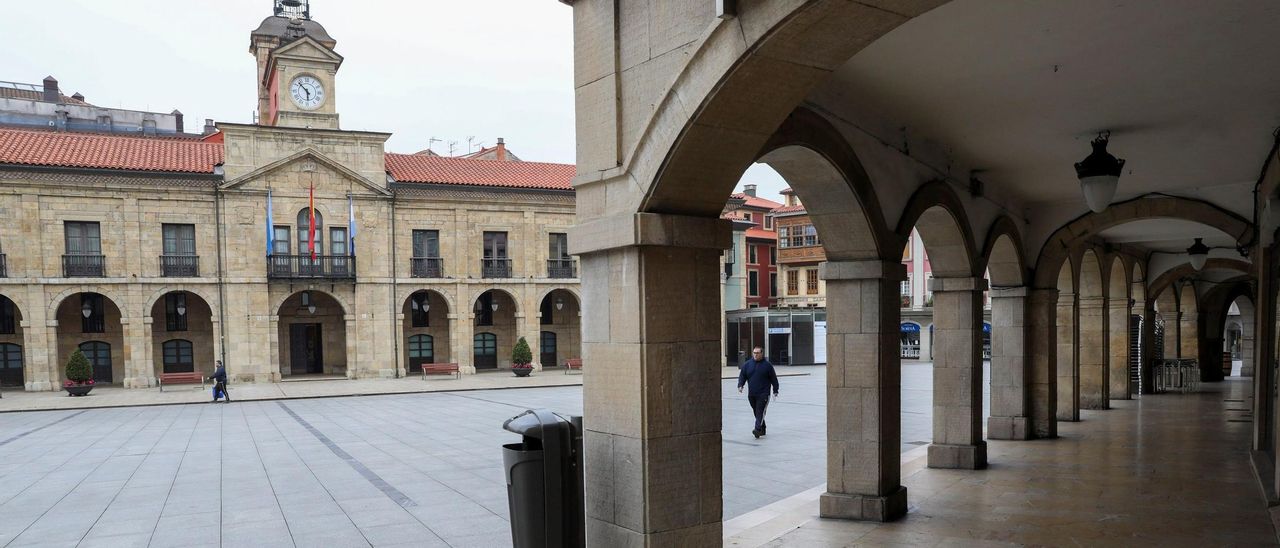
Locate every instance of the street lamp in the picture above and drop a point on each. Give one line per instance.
(181, 307)
(559, 303)
(86, 309)
(1198, 253)
(1099, 173)
(307, 303)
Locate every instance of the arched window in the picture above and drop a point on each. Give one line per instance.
(486, 351)
(421, 350)
(11, 365)
(178, 356)
(304, 228)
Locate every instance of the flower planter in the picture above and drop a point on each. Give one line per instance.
(522, 371)
(78, 390)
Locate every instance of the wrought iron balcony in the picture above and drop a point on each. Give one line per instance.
(329, 267)
(427, 267)
(84, 266)
(4, 267)
(180, 266)
(495, 268)
(560, 268)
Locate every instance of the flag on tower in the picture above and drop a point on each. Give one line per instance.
(270, 233)
(351, 227)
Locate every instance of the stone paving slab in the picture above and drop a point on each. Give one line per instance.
(114, 396)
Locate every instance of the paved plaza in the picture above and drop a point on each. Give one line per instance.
(411, 469)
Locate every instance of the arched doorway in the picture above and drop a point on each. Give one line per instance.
(312, 335)
(495, 330)
(560, 321)
(11, 362)
(91, 323)
(182, 334)
(426, 330)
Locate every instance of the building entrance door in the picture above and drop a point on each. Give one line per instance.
(548, 349)
(305, 354)
(486, 351)
(99, 354)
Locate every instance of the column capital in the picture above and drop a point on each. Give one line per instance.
(862, 270)
(649, 229)
(1091, 302)
(1044, 295)
(939, 285)
(1010, 292)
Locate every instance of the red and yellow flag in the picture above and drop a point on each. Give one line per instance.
(311, 229)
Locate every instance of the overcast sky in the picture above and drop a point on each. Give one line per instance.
(418, 69)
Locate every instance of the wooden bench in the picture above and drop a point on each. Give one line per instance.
(572, 364)
(440, 369)
(176, 378)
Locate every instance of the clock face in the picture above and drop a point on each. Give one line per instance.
(307, 92)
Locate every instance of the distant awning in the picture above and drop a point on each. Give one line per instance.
(910, 328)
(986, 327)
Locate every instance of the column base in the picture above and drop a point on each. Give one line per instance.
(960, 457)
(1008, 428)
(864, 507)
(140, 382)
(40, 386)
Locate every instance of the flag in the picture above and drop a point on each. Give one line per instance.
(351, 228)
(270, 231)
(311, 223)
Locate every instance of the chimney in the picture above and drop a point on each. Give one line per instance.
(749, 190)
(51, 89)
(209, 128)
(177, 120)
(78, 96)
(148, 125)
(501, 153)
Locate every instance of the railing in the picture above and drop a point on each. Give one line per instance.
(84, 266)
(560, 268)
(180, 266)
(1177, 375)
(910, 351)
(495, 268)
(4, 267)
(334, 267)
(427, 267)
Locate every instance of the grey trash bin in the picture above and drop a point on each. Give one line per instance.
(544, 480)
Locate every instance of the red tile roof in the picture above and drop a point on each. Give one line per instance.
(419, 168)
(798, 208)
(754, 202)
(761, 234)
(90, 150)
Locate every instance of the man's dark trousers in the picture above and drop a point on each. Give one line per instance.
(758, 406)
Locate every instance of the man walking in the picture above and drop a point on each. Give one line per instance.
(758, 374)
(220, 382)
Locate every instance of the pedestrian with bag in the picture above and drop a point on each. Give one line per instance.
(220, 382)
(758, 376)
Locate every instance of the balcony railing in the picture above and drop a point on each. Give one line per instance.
(4, 267)
(333, 267)
(427, 267)
(84, 266)
(495, 268)
(180, 266)
(560, 268)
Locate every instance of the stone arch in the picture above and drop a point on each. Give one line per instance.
(576, 294)
(150, 302)
(15, 366)
(518, 312)
(1002, 254)
(110, 294)
(815, 159)
(444, 294)
(112, 367)
(1215, 305)
(437, 328)
(1138, 283)
(1168, 277)
(197, 325)
(1076, 232)
(314, 342)
(1188, 320)
(346, 306)
(935, 211)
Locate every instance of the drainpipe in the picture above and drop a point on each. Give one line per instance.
(222, 300)
(395, 338)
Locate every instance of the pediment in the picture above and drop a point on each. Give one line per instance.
(308, 48)
(301, 169)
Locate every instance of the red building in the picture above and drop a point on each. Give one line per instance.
(762, 248)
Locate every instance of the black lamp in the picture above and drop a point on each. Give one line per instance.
(1099, 173)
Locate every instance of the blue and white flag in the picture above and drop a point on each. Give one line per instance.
(351, 214)
(270, 232)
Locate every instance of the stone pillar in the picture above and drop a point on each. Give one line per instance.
(1148, 358)
(1246, 343)
(1042, 346)
(1118, 349)
(864, 377)
(274, 369)
(1068, 358)
(139, 365)
(530, 327)
(355, 369)
(1094, 374)
(401, 364)
(462, 329)
(54, 368)
(957, 374)
(1264, 321)
(1010, 381)
(651, 331)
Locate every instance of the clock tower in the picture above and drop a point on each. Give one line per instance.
(296, 68)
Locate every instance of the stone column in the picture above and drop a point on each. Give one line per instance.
(957, 374)
(401, 364)
(864, 377)
(651, 394)
(273, 366)
(1042, 346)
(139, 370)
(1148, 357)
(531, 329)
(1118, 349)
(1068, 358)
(1246, 344)
(1264, 321)
(462, 328)
(355, 369)
(1010, 382)
(1094, 374)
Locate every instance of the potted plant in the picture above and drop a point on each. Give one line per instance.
(79, 375)
(522, 359)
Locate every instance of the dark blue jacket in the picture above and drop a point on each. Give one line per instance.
(220, 375)
(758, 376)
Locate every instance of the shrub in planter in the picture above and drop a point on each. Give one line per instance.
(79, 374)
(522, 358)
